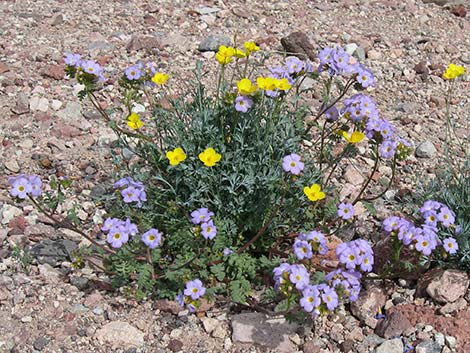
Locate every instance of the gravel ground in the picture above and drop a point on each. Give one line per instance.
(45, 130)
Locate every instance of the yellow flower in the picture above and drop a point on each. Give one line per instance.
(314, 192)
(266, 83)
(160, 78)
(250, 47)
(224, 54)
(355, 137)
(282, 84)
(246, 87)
(210, 157)
(134, 122)
(240, 53)
(453, 71)
(176, 156)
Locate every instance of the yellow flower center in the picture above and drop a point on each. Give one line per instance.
(194, 290)
(151, 237)
(117, 236)
(21, 188)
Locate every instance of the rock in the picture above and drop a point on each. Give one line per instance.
(206, 10)
(353, 176)
(350, 48)
(93, 299)
(450, 308)
(38, 104)
(40, 343)
(120, 334)
(39, 229)
(347, 346)
(451, 341)
(425, 149)
(366, 306)
(255, 328)
(56, 104)
(298, 44)
(54, 71)
(49, 274)
(22, 104)
(12, 165)
(390, 346)
(374, 54)
(167, 306)
(72, 115)
(58, 20)
(213, 42)
(438, 101)
(175, 345)
(311, 347)
(8, 212)
(440, 339)
(428, 346)
(393, 325)
(53, 251)
(421, 68)
(81, 283)
(444, 286)
(210, 324)
(3, 68)
(139, 42)
(100, 45)
(459, 11)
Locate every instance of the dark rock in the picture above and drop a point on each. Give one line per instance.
(167, 306)
(81, 283)
(393, 325)
(311, 347)
(298, 44)
(175, 345)
(213, 42)
(40, 343)
(53, 251)
(347, 346)
(459, 11)
(421, 68)
(139, 42)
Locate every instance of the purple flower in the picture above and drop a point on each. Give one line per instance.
(345, 211)
(180, 299)
(117, 236)
(425, 244)
(130, 194)
(446, 217)
(130, 228)
(201, 215)
(194, 289)
(315, 236)
(311, 298)
(367, 263)
(294, 65)
(349, 258)
(208, 230)
(387, 149)
(92, 67)
(36, 183)
(134, 190)
(152, 238)
(20, 186)
(243, 103)
(110, 223)
(292, 164)
(365, 77)
(302, 249)
(430, 205)
(133, 73)
(330, 298)
(430, 218)
(332, 114)
(386, 129)
(299, 276)
(72, 59)
(391, 223)
(450, 245)
(228, 251)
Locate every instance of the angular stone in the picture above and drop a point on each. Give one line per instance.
(120, 334)
(421, 68)
(390, 346)
(450, 308)
(8, 212)
(425, 149)
(213, 42)
(54, 71)
(459, 11)
(366, 306)
(255, 328)
(210, 324)
(393, 325)
(49, 274)
(139, 42)
(298, 44)
(22, 104)
(353, 176)
(38, 104)
(167, 306)
(445, 286)
(428, 346)
(53, 251)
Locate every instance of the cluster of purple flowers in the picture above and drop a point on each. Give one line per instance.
(23, 185)
(356, 253)
(424, 238)
(132, 191)
(306, 244)
(292, 164)
(141, 70)
(193, 291)
(338, 62)
(360, 107)
(118, 231)
(87, 66)
(203, 217)
(348, 282)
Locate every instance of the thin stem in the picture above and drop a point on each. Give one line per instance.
(366, 183)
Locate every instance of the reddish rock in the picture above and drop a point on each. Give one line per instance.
(393, 325)
(443, 286)
(366, 306)
(61, 130)
(18, 223)
(459, 11)
(310, 347)
(93, 299)
(54, 71)
(329, 260)
(140, 42)
(421, 68)
(3, 68)
(167, 306)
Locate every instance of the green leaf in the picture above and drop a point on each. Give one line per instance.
(239, 290)
(218, 271)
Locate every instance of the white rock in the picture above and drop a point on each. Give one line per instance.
(210, 324)
(38, 104)
(390, 346)
(49, 273)
(56, 104)
(8, 212)
(120, 334)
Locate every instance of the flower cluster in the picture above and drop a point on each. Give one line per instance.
(338, 62)
(118, 231)
(193, 291)
(145, 72)
(453, 71)
(346, 282)
(23, 185)
(90, 67)
(225, 54)
(132, 191)
(203, 218)
(424, 238)
(306, 244)
(356, 254)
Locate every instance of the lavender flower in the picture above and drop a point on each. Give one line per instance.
(134, 190)
(227, 252)
(425, 244)
(450, 245)
(20, 186)
(299, 276)
(92, 67)
(294, 65)
(110, 223)
(117, 236)
(345, 211)
(201, 215)
(332, 114)
(208, 230)
(311, 298)
(446, 217)
(292, 164)
(365, 77)
(130, 194)
(302, 249)
(330, 298)
(36, 184)
(133, 73)
(243, 103)
(72, 59)
(152, 238)
(387, 149)
(194, 289)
